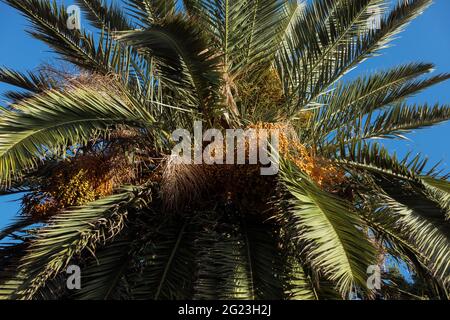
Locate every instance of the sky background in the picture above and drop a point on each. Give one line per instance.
(427, 39)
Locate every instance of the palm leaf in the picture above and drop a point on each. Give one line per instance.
(262, 261)
(392, 123)
(167, 271)
(439, 191)
(328, 231)
(49, 21)
(418, 224)
(103, 277)
(68, 234)
(184, 62)
(56, 120)
(103, 16)
(365, 95)
(33, 82)
(374, 157)
(216, 266)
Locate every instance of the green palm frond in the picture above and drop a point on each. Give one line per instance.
(431, 183)
(224, 19)
(109, 19)
(31, 81)
(258, 41)
(374, 157)
(18, 186)
(328, 231)
(103, 278)
(338, 25)
(28, 83)
(142, 11)
(232, 261)
(163, 8)
(18, 226)
(185, 64)
(384, 226)
(241, 30)
(217, 260)
(418, 224)
(103, 16)
(49, 21)
(299, 286)
(10, 256)
(356, 50)
(261, 262)
(56, 287)
(292, 12)
(68, 234)
(220, 263)
(365, 95)
(241, 264)
(392, 123)
(439, 191)
(150, 12)
(167, 265)
(53, 121)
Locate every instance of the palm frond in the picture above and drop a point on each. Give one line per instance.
(384, 226)
(151, 12)
(185, 64)
(239, 264)
(292, 13)
(262, 261)
(374, 157)
(31, 81)
(323, 45)
(298, 284)
(67, 235)
(103, 16)
(53, 121)
(217, 260)
(49, 22)
(10, 256)
(18, 226)
(55, 288)
(264, 60)
(328, 231)
(167, 265)
(439, 191)
(430, 183)
(163, 8)
(392, 123)
(418, 224)
(352, 52)
(256, 42)
(365, 95)
(103, 278)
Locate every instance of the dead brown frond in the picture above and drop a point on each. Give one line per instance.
(181, 183)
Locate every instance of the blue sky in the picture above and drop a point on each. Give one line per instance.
(426, 39)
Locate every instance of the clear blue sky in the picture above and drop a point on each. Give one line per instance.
(427, 39)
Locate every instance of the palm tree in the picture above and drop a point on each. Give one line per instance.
(91, 150)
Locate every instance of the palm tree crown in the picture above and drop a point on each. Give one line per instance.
(91, 148)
